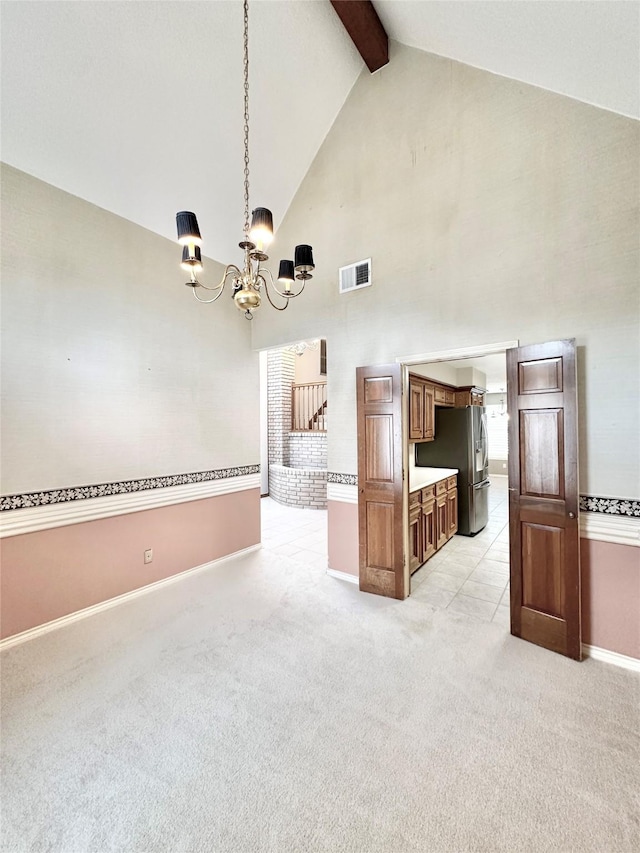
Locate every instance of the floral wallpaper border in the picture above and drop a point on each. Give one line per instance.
(610, 506)
(627, 507)
(343, 479)
(80, 493)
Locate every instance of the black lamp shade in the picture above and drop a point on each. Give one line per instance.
(191, 261)
(261, 231)
(262, 218)
(188, 231)
(304, 258)
(285, 272)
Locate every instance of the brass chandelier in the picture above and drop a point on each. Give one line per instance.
(253, 279)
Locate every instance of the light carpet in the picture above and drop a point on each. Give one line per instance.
(264, 706)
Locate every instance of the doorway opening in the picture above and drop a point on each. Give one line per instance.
(294, 421)
(544, 542)
(459, 523)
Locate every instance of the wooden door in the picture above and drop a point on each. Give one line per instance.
(416, 410)
(543, 496)
(380, 489)
(429, 407)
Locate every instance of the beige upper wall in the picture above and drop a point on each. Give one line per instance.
(492, 211)
(308, 367)
(110, 369)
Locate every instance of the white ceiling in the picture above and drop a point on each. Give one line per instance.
(137, 106)
(586, 50)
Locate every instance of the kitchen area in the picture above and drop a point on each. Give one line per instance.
(448, 465)
(458, 516)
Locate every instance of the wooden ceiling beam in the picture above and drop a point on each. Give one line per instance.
(361, 21)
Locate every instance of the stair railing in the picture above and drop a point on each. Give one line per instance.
(309, 407)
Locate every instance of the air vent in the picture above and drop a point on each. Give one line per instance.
(355, 276)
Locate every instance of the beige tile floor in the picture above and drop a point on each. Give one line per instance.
(469, 575)
(292, 532)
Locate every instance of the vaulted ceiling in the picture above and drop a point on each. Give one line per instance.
(137, 106)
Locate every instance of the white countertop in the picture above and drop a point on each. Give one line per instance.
(419, 478)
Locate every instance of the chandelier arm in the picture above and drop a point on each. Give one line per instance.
(284, 294)
(266, 290)
(208, 301)
(229, 270)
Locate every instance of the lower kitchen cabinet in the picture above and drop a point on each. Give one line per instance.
(415, 538)
(442, 520)
(452, 512)
(428, 529)
(433, 520)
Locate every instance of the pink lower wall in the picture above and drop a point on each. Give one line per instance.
(610, 582)
(611, 596)
(343, 537)
(52, 573)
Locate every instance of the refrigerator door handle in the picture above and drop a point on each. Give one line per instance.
(483, 485)
(484, 437)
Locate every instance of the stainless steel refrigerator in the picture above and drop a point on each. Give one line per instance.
(461, 442)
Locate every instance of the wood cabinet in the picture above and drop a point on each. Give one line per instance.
(421, 409)
(416, 409)
(428, 528)
(429, 418)
(442, 521)
(425, 395)
(415, 532)
(470, 396)
(433, 520)
(444, 396)
(452, 512)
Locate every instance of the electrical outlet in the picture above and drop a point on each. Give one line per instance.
(148, 555)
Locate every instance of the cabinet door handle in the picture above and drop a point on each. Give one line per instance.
(572, 515)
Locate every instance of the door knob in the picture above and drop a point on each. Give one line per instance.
(572, 515)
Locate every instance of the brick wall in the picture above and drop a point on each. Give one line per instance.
(308, 449)
(297, 460)
(280, 376)
(301, 487)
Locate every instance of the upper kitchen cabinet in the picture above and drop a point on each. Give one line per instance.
(425, 395)
(444, 396)
(469, 396)
(416, 409)
(421, 409)
(429, 420)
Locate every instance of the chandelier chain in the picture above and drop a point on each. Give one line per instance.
(246, 119)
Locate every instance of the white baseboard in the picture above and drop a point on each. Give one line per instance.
(32, 633)
(343, 576)
(613, 658)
